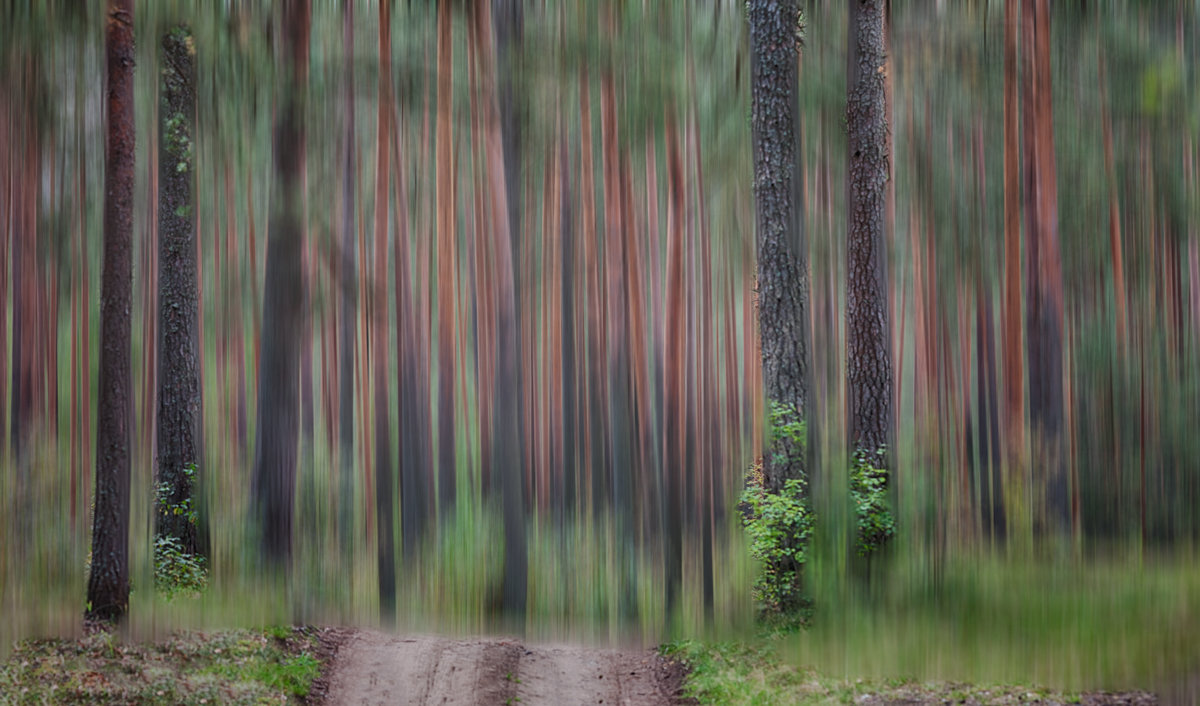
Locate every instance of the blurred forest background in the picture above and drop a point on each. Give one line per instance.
(523, 331)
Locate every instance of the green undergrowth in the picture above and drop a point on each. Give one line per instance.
(753, 674)
(275, 665)
(1071, 623)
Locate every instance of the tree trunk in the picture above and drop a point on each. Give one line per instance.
(108, 583)
(783, 289)
(506, 437)
(869, 373)
(278, 428)
(347, 292)
(384, 501)
(447, 262)
(1014, 369)
(180, 439)
(674, 414)
(1043, 301)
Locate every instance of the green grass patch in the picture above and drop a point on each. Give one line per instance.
(753, 674)
(1072, 624)
(275, 665)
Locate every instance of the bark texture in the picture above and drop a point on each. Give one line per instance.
(108, 582)
(869, 368)
(783, 288)
(274, 476)
(179, 411)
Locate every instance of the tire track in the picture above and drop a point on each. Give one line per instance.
(375, 668)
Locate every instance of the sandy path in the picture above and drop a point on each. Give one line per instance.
(375, 668)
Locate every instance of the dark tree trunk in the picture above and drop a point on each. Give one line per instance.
(674, 412)
(507, 437)
(447, 263)
(1012, 338)
(783, 289)
(108, 583)
(869, 368)
(180, 439)
(348, 292)
(991, 487)
(1043, 268)
(572, 457)
(384, 500)
(278, 428)
(412, 415)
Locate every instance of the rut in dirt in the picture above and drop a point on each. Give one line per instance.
(377, 668)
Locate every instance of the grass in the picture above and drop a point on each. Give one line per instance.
(1072, 624)
(988, 629)
(753, 674)
(275, 665)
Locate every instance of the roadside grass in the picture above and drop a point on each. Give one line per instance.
(753, 674)
(274, 665)
(1118, 623)
(978, 631)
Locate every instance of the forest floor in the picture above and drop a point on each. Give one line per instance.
(336, 666)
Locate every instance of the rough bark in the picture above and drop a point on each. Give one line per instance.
(108, 582)
(180, 440)
(783, 289)
(869, 373)
(274, 476)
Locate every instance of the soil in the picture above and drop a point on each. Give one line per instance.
(371, 667)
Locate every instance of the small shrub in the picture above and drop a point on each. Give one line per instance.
(875, 523)
(779, 525)
(175, 571)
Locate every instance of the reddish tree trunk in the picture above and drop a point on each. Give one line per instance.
(1043, 303)
(108, 583)
(1014, 369)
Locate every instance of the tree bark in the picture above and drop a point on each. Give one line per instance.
(1014, 369)
(274, 476)
(1043, 268)
(447, 260)
(783, 286)
(869, 373)
(348, 291)
(108, 582)
(384, 500)
(180, 439)
(507, 438)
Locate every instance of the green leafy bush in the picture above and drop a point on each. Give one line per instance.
(868, 490)
(779, 525)
(177, 572)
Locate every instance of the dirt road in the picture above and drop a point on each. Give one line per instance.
(376, 668)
